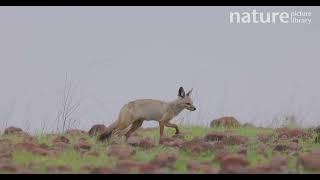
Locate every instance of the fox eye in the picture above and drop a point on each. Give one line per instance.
(188, 104)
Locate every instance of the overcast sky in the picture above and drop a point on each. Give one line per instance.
(255, 72)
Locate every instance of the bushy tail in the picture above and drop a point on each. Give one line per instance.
(107, 133)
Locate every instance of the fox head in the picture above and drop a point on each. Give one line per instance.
(185, 100)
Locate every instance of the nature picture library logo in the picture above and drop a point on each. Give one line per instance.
(274, 17)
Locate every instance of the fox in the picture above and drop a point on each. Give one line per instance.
(134, 113)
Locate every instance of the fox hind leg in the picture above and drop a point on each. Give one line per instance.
(135, 125)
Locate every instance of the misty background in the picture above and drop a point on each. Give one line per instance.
(257, 73)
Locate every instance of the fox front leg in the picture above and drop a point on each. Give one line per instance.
(167, 117)
(173, 126)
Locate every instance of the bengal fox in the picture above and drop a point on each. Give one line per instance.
(135, 112)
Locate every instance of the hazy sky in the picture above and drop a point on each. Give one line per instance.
(255, 72)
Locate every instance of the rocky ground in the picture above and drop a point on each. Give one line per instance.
(236, 149)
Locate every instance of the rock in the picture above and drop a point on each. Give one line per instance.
(76, 132)
(242, 150)
(277, 165)
(149, 169)
(58, 169)
(235, 140)
(145, 143)
(91, 153)
(125, 166)
(264, 138)
(226, 138)
(8, 167)
(226, 121)
(12, 130)
(173, 142)
(196, 145)
(97, 129)
(291, 146)
(215, 136)
(61, 145)
(310, 161)
(292, 133)
(194, 167)
(34, 148)
(134, 140)
(121, 151)
(61, 139)
(101, 170)
(82, 146)
(233, 162)
(164, 160)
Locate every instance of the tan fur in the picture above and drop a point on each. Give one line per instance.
(135, 112)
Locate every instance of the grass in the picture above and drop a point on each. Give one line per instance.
(73, 159)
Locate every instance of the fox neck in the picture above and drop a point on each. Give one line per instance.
(175, 107)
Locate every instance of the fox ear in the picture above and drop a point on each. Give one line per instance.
(181, 92)
(188, 93)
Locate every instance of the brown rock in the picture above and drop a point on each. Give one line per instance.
(121, 151)
(12, 130)
(226, 121)
(165, 160)
(215, 136)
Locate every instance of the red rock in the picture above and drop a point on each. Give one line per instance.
(58, 169)
(121, 151)
(277, 165)
(61, 145)
(138, 141)
(125, 166)
(173, 142)
(8, 167)
(82, 146)
(232, 162)
(196, 145)
(34, 148)
(101, 170)
(149, 168)
(61, 139)
(310, 161)
(165, 159)
(194, 166)
(292, 133)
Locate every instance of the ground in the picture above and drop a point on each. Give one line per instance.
(196, 150)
